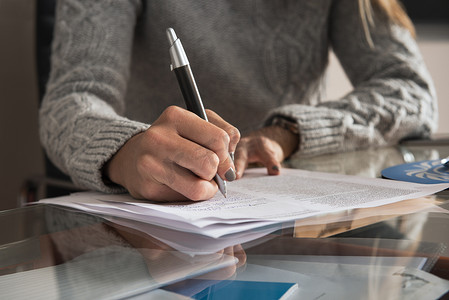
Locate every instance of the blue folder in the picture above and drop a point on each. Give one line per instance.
(235, 289)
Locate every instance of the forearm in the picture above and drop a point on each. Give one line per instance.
(393, 96)
(80, 122)
(393, 88)
(376, 113)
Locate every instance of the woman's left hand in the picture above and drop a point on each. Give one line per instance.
(267, 146)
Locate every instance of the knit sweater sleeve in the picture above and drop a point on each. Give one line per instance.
(81, 125)
(393, 96)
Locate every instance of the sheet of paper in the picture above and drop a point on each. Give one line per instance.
(257, 200)
(352, 281)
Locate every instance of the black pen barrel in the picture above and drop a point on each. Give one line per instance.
(190, 91)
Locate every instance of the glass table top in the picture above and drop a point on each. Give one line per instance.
(52, 252)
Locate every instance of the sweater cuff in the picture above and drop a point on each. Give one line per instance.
(88, 164)
(321, 130)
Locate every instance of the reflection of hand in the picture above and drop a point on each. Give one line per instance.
(192, 287)
(176, 158)
(268, 146)
(164, 262)
(223, 273)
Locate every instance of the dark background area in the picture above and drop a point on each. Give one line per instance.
(427, 11)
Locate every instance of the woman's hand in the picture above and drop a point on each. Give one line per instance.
(163, 261)
(268, 146)
(176, 158)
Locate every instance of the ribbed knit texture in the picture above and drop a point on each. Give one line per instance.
(252, 60)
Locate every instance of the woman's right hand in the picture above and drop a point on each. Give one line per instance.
(176, 158)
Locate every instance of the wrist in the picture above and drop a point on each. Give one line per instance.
(290, 134)
(287, 140)
(107, 172)
(113, 170)
(286, 123)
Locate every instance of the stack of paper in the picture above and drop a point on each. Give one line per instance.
(255, 201)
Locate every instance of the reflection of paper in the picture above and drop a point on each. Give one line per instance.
(108, 273)
(192, 243)
(257, 200)
(337, 222)
(159, 294)
(348, 281)
(404, 261)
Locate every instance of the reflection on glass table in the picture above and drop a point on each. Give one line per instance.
(59, 253)
(74, 255)
(370, 162)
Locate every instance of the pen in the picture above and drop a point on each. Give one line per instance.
(180, 65)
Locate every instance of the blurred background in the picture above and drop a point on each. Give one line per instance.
(20, 151)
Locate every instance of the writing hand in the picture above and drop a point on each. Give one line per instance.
(268, 146)
(176, 158)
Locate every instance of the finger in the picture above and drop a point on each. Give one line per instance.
(185, 182)
(185, 153)
(227, 272)
(214, 138)
(167, 181)
(150, 189)
(268, 159)
(200, 160)
(258, 149)
(233, 132)
(266, 152)
(241, 159)
(240, 254)
(229, 251)
(206, 134)
(226, 169)
(156, 192)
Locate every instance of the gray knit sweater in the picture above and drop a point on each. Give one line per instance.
(252, 60)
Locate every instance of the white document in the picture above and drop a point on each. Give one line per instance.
(256, 200)
(349, 281)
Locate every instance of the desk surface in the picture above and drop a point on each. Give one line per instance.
(53, 252)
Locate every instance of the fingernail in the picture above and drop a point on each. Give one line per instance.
(275, 168)
(230, 175)
(231, 154)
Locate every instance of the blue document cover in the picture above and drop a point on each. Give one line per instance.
(427, 172)
(236, 289)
